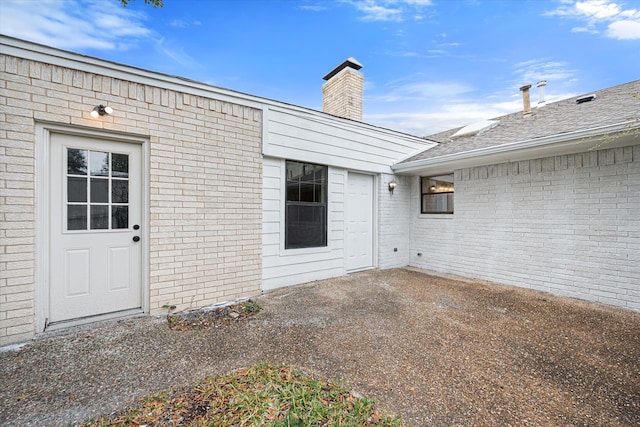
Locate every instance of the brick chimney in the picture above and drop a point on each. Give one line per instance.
(342, 93)
(526, 99)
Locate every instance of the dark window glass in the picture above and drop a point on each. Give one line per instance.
(76, 189)
(76, 217)
(119, 191)
(100, 201)
(76, 161)
(99, 217)
(99, 190)
(306, 205)
(119, 217)
(120, 165)
(306, 225)
(437, 194)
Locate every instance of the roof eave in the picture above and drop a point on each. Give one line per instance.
(616, 135)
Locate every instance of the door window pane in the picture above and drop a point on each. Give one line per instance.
(119, 217)
(99, 190)
(100, 201)
(119, 191)
(76, 189)
(76, 161)
(99, 163)
(120, 165)
(76, 217)
(99, 217)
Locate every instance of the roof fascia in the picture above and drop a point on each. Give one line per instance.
(552, 145)
(28, 50)
(49, 55)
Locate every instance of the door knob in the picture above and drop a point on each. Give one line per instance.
(136, 238)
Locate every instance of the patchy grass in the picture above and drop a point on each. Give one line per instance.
(206, 319)
(262, 395)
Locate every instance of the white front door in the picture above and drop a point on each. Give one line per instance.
(359, 221)
(95, 264)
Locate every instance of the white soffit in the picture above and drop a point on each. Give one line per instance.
(476, 128)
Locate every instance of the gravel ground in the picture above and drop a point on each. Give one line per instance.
(438, 352)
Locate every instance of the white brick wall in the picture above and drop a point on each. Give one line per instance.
(342, 94)
(394, 221)
(569, 225)
(205, 184)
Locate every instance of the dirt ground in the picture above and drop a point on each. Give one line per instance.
(438, 352)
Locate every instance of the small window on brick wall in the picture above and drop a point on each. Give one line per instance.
(436, 194)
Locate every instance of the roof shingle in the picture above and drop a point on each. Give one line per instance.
(613, 105)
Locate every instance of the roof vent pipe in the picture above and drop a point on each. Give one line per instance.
(526, 99)
(541, 84)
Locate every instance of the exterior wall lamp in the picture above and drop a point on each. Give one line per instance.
(101, 110)
(392, 185)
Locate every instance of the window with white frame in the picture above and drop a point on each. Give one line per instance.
(306, 205)
(436, 194)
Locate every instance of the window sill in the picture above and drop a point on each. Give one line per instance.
(436, 216)
(303, 251)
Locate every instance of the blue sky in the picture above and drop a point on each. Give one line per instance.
(429, 65)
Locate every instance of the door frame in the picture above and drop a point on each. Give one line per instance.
(375, 180)
(43, 212)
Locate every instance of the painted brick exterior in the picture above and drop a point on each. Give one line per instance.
(394, 222)
(205, 184)
(569, 225)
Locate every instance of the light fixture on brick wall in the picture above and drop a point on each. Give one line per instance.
(101, 110)
(392, 185)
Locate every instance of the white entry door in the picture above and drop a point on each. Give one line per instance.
(359, 221)
(95, 263)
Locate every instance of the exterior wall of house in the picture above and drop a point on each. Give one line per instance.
(394, 222)
(289, 267)
(344, 146)
(569, 225)
(204, 183)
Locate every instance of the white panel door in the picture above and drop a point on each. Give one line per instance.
(359, 221)
(96, 211)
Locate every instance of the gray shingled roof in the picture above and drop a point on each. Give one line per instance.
(612, 105)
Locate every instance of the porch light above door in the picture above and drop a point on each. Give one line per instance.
(101, 110)
(392, 185)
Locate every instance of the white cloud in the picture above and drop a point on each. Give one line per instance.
(181, 23)
(402, 91)
(532, 71)
(71, 24)
(389, 10)
(457, 113)
(178, 23)
(424, 107)
(624, 30)
(595, 15)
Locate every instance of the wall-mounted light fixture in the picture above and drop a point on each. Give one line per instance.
(433, 188)
(101, 110)
(392, 185)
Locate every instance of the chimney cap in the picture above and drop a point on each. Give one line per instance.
(350, 62)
